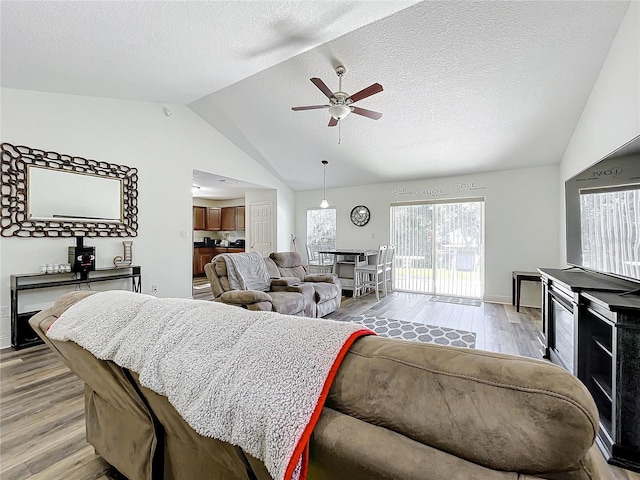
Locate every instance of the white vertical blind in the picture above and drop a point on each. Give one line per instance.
(440, 247)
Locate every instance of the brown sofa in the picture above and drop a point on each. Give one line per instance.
(292, 291)
(396, 410)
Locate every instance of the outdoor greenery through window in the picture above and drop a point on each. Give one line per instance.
(321, 228)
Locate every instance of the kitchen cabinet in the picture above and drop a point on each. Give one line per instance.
(206, 218)
(199, 218)
(239, 218)
(228, 218)
(201, 256)
(213, 219)
(204, 255)
(232, 218)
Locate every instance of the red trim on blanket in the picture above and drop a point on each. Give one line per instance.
(50, 325)
(302, 448)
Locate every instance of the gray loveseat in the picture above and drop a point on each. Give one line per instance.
(396, 410)
(291, 290)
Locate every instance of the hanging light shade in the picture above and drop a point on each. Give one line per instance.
(324, 203)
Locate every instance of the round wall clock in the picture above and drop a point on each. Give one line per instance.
(360, 215)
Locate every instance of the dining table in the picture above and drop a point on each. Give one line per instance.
(346, 259)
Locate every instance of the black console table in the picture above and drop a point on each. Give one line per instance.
(22, 335)
(592, 328)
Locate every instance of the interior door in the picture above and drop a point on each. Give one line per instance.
(262, 228)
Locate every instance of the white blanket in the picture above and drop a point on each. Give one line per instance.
(253, 379)
(247, 271)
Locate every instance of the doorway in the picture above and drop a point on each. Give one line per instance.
(439, 247)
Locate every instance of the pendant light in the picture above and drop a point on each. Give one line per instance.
(324, 203)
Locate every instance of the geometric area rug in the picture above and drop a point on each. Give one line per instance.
(416, 332)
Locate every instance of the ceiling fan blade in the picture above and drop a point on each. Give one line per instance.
(333, 122)
(309, 107)
(366, 113)
(323, 88)
(367, 92)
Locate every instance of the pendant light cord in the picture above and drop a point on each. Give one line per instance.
(324, 181)
(324, 203)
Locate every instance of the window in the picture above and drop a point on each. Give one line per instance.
(321, 227)
(439, 247)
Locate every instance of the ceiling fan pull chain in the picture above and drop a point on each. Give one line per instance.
(339, 132)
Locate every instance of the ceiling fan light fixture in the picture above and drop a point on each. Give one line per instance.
(339, 111)
(194, 189)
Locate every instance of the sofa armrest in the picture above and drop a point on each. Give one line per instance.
(323, 277)
(284, 281)
(244, 297)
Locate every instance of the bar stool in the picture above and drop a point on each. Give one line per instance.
(388, 268)
(371, 276)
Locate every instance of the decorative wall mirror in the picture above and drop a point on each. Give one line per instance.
(48, 194)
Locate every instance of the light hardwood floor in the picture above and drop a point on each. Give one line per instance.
(41, 401)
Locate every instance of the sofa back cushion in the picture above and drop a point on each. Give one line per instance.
(247, 271)
(500, 411)
(289, 264)
(272, 268)
(216, 272)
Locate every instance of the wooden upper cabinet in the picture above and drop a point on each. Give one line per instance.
(206, 218)
(199, 218)
(213, 219)
(232, 218)
(239, 218)
(228, 219)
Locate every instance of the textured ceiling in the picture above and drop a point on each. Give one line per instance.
(468, 86)
(164, 51)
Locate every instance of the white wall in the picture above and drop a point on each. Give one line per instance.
(165, 150)
(611, 116)
(520, 213)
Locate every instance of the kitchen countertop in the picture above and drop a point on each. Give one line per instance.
(202, 245)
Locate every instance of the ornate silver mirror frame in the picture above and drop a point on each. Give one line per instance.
(15, 162)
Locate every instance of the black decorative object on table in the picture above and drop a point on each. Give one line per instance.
(82, 259)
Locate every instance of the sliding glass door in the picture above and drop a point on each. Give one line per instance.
(440, 247)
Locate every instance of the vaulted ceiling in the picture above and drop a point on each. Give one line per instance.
(468, 86)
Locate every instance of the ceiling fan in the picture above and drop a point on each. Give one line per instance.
(341, 103)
